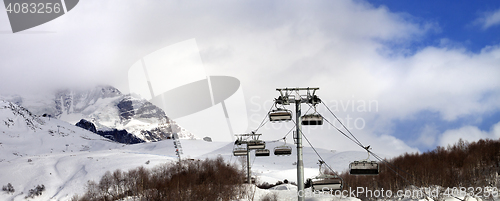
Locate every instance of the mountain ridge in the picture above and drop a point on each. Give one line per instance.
(108, 109)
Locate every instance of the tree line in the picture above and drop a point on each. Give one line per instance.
(210, 179)
(464, 164)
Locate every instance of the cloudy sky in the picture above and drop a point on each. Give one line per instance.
(405, 76)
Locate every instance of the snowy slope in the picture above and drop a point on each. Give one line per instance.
(63, 157)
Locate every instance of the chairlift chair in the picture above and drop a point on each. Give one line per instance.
(312, 119)
(280, 115)
(364, 167)
(326, 182)
(240, 151)
(283, 150)
(262, 152)
(256, 144)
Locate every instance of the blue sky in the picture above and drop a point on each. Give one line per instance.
(458, 21)
(462, 24)
(432, 67)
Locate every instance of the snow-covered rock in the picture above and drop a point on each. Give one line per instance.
(108, 109)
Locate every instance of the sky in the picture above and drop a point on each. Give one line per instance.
(404, 76)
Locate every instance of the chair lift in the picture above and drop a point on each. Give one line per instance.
(326, 182)
(364, 167)
(262, 152)
(283, 150)
(279, 114)
(312, 119)
(240, 151)
(256, 144)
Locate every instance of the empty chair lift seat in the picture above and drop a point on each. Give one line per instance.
(256, 144)
(326, 183)
(363, 168)
(282, 150)
(262, 152)
(240, 152)
(280, 115)
(312, 119)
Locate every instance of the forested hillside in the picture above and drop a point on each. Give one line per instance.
(464, 164)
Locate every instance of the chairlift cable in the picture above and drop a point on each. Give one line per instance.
(315, 151)
(360, 144)
(341, 123)
(290, 129)
(263, 122)
(343, 133)
(356, 141)
(289, 132)
(321, 158)
(253, 161)
(375, 155)
(285, 135)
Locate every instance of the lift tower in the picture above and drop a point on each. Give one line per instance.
(251, 141)
(292, 95)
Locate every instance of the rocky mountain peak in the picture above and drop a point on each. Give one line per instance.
(108, 110)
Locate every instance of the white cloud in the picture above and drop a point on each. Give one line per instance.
(489, 20)
(452, 82)
(469, 133)
(335, 45)
(427, 137)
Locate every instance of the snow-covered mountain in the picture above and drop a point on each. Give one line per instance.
(24, 134)
(37, 151)
(108, 109)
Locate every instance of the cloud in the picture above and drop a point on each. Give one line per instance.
(488, 20)
(469, 133)
(339, 46)
(427, 137)
(452, 82)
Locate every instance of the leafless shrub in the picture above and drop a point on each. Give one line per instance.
(270, 197)
(37, 191)
(9, 188)
(210, 179)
